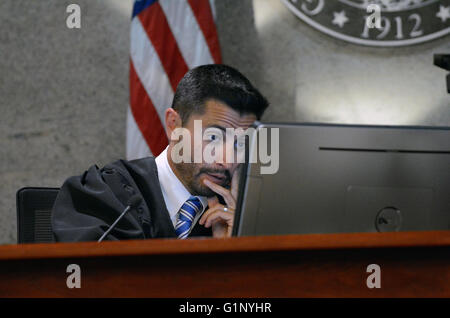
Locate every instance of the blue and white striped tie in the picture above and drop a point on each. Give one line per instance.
(186, 216)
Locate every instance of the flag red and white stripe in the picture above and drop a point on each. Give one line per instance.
(168, 37)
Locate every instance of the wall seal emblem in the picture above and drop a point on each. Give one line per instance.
(403, 22)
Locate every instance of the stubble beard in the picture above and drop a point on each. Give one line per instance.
(191, 175)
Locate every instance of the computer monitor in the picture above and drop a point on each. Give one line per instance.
(347, 178)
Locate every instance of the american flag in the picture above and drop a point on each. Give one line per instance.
(168, 37)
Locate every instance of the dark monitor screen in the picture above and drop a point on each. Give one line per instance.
(345, 178)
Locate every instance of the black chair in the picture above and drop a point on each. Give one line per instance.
(34, 208)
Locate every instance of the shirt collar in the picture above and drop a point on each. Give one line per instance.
(174, 192)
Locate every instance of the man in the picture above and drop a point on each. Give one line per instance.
(179, 198)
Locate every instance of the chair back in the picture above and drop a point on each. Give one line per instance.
(34, 209)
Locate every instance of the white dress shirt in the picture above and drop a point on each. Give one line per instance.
(174, 192)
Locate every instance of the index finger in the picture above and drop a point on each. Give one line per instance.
(225, 193)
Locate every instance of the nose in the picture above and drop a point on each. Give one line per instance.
(225, 165)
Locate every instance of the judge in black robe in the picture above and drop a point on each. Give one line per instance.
(88, 204)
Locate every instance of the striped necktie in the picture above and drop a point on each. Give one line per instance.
(186, 216)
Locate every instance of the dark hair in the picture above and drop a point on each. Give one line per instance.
(219, 82)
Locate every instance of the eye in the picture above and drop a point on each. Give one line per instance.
(213, 135)
(239, 143)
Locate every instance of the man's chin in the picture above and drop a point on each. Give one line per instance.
(204, 192)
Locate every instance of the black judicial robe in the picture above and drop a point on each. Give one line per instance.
(87, 205)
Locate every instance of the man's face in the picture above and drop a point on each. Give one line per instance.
(214, 122)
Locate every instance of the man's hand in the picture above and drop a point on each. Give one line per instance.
(218, 216)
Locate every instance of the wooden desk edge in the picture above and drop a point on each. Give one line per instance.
(229, 245)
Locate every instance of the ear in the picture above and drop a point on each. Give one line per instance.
(173, 120)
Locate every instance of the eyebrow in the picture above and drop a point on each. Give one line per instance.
(217, 126)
